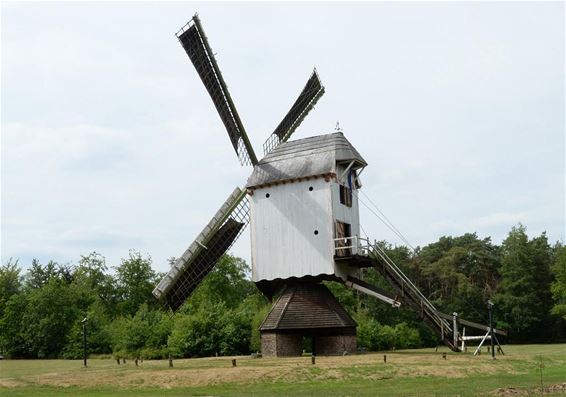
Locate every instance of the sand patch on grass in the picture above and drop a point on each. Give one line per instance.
(9, 383)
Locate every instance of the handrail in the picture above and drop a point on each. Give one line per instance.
(399, 273)
(365, 247)
(362, 245)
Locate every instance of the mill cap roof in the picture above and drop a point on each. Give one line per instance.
(313, 156)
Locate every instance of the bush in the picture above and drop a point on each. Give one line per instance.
(373, 336)
(406, 337)
(213, 329)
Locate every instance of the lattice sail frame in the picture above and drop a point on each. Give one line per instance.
(308, 97)
(199, 259)
(194, 41)
(231, 220)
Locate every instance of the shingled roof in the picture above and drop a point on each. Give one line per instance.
(306, 306)
(313, 156)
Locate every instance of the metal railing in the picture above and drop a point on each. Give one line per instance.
(353, 245)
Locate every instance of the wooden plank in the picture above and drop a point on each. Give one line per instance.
(472, 324)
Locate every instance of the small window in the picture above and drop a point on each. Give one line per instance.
(345, 196)
(343, 239)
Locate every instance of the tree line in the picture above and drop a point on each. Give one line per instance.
(41, 308)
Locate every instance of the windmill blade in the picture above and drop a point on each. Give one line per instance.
(196, 46)
(305, 102)
(199, 259)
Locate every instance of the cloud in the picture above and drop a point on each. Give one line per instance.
(506, 219)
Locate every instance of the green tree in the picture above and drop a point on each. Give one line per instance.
(226, 283)
(49, 315)
(96, 285)
(213, 329)
(135, 279)
(521, 299)
(558, 288)
(13, 341)
(143, 335)
(10, 282)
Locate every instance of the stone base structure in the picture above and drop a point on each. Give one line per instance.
(307, 310)
(281, 345)
(335, 344)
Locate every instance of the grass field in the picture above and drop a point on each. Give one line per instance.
(421, 372)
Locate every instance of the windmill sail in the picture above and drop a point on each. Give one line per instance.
(305, 102)
(199, 259)
(196, 46)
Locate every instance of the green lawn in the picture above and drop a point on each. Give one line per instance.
(420, 372)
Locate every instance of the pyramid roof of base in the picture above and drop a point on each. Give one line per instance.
(306, 306)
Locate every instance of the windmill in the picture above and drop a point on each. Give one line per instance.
(301, 201)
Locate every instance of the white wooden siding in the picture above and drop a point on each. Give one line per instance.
(282, 226)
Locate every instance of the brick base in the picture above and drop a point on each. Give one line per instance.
(280, 345)
(335, 344)
(288, 345)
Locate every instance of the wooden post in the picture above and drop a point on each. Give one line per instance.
(313, 360)
(385, 358)
(492, 336)
(455, 328)
(84, 340)
(170, 361)
(123, 360)
(118, 360)
(444, 356)
(233, 362)
(136, 361)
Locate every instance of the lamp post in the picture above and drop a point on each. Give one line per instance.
(491, 338)
(84, 339)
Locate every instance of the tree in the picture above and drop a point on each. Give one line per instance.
(10, 282)
(49, 315)
(91, 279)
(13, 342)
(98, 334)
(213, 329)
(520, 302)
(226, 283)
(136, 280)
(558, 287)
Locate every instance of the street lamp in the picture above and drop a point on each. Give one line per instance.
(84, 339)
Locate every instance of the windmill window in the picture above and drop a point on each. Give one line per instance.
(343, 240)
(316, 232)
(267, 195)
(345, 196)
(311, 189)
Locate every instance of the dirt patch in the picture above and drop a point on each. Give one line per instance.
(511, 391)
(9, 383)
(165, 378)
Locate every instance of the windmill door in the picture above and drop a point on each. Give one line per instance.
(343, 239)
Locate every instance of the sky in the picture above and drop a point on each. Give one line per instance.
(109, 141)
